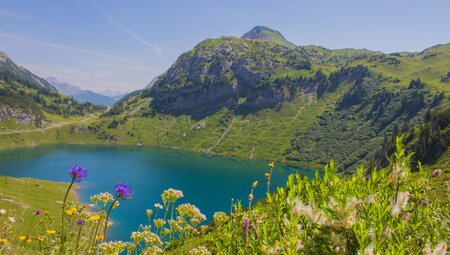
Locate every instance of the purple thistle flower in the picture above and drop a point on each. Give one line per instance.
(78, 172)
(122, 190)
(245, 227)
(80, 222)
(37, 212)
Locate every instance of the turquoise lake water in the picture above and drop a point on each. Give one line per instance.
(209, 182)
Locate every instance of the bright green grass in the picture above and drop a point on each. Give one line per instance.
(21, 197)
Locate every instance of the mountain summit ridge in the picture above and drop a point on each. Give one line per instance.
(267, 34)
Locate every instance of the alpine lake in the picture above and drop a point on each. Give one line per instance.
(209, 182)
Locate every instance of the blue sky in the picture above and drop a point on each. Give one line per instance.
(122, 45)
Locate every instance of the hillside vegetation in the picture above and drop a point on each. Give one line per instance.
(260, 99)
(257, 99)
(28, 101)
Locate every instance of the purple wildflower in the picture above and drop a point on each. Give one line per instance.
(437, 173)
(405, 217)
(245, 227)
(80, 222)
(367, 176)
(78, 172)
(122, 190)
(37, 212)
(424, 202)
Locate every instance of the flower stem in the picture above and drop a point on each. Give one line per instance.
(78, 240)
(95, 234)
(398, 184)
(171, 214)
(107, 216)
(269, 179)
(61, 250)
(31, 224)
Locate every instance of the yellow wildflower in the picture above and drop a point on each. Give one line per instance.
(51, 231)
(272, 164)
(3, 241)
(267, 175)
(28, 240)
(46, 212)
(250, 197)
(68, 212)
(99, 237)
(95, 217)
(22, 238)
(73, 210)
(40, 238)
(255, 183)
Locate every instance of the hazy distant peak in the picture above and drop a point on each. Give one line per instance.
(80, 94)
(267, 34)
(64, 87)
(112, 93)
(3, 56)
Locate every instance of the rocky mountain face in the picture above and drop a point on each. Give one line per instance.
(79, 94)
(20, 115)
(250, 97)
(268, 35)
(227, 72)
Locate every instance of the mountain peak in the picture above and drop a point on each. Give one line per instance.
(3, 57)
(267, 34)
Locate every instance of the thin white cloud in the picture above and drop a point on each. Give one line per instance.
(97, 78)
(113, 21)
(14, 15)
(65, 47)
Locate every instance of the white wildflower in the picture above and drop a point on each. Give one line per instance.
(368, 250)
(220, 218)
(201, 250)
(102, 198)
(171, 195)
(402, 201)
(441, 249)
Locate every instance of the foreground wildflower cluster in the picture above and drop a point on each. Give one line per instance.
(385, 211)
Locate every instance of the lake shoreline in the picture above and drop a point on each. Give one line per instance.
(313, 167)
(207, 181)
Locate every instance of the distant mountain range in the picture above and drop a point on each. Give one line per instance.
(85, 95)
(30, 99)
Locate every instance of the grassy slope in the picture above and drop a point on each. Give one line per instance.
(21, 197)
(263, 135)
(424, 65)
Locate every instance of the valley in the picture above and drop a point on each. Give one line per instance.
(271, 102)
(329, 138)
